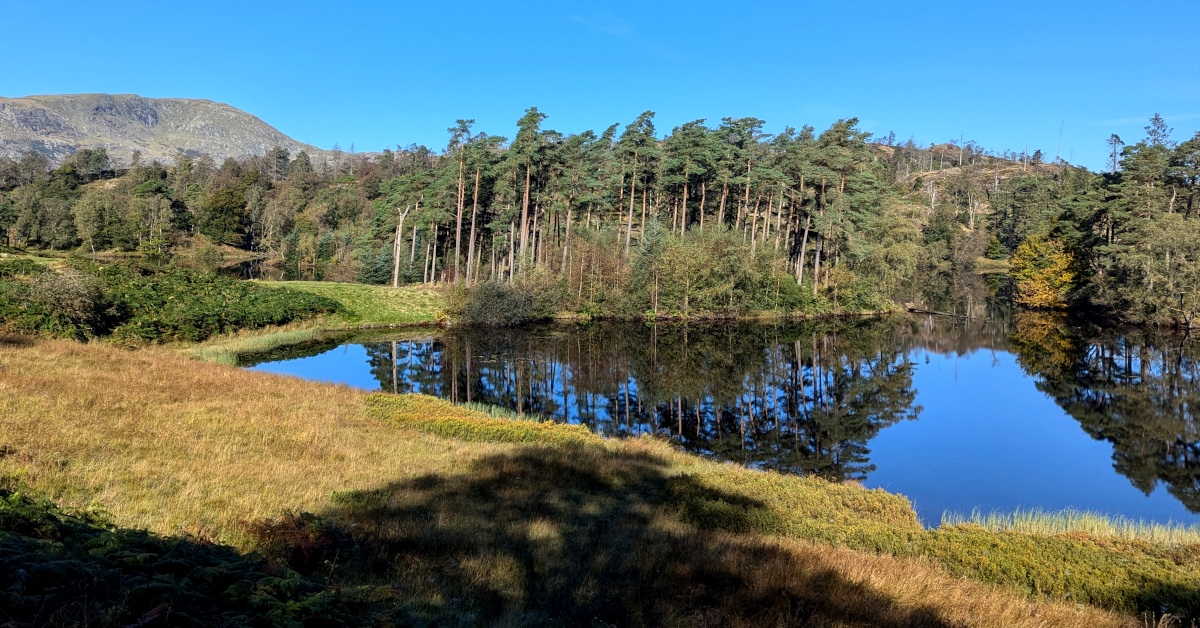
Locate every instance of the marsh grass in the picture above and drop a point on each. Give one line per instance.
(1038, 521)
(533, 531)
(229, 348)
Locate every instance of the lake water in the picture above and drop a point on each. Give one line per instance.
(997, 411)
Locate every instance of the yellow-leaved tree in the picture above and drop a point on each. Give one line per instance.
(1041, 270)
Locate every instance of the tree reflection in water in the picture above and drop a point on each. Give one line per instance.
(801, 398)
(1136, 389)
(808, 397)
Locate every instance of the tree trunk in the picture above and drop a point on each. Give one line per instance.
(412, 256)
(525, 216)
(754, 221)
(803, 246)
(747, 203)
(567, 240)
(724, 195)
(462, 192)
(643, 228)
(817, 265)
(396, 250)
(702, 195)
(512, 242)
(632, 195)
(471, 243)
(683, 203)
(779, 219)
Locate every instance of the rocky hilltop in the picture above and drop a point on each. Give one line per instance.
(161, 128)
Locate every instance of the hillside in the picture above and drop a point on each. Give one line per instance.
(161, 128)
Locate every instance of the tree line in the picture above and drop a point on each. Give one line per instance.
(1125, 242)
(707, 219)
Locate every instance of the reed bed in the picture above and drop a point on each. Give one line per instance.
(1038, 521)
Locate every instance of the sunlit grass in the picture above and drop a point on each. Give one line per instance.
(367, 305)
(375, 305)
(227, 349)
(1038, 521)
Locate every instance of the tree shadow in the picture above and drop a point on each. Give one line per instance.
(571, 537)
(15, 341)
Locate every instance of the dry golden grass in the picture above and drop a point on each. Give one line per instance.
(170, 444)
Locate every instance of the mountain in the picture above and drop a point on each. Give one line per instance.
(161, 128)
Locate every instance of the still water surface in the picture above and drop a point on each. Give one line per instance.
(996, 411)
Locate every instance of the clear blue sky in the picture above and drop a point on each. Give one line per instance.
(380, 74)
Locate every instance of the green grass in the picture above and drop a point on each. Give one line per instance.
(227, 349)
(365, 305)
(374, 305)
(1037, 521)
(437, 416)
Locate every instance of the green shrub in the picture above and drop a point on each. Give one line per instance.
(181, 304)
(493, 303)
(20, 266)
(137, 305)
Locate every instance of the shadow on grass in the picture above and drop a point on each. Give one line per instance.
(15, 341)
(569, 537)
(74, 569)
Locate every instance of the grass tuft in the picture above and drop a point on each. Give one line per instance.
(1038, 521)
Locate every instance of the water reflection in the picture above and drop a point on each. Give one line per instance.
(798, 398)
(815, 397)
(1136, 389)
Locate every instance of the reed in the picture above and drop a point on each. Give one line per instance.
(1038, 521)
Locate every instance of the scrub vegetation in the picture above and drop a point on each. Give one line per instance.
(135, 306)
(395, 508)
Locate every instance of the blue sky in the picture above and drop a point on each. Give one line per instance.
(1008, 75)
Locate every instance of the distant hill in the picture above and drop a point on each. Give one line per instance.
(161, 128)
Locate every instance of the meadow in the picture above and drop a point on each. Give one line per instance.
(415, 510)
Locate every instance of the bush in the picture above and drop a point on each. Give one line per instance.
(143, 306)
(181, 304)
(19, 267)
(71, 294)
(85, 570)
(493, 303)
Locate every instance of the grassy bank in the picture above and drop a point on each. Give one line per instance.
(373, 306)
(365, 306)
(429, 511)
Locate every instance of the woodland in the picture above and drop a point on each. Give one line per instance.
(710, 220)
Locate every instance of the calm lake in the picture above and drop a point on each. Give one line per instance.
(995, 411)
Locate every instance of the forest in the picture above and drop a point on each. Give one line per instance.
(707, 221)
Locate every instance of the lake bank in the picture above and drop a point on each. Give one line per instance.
(172, 445)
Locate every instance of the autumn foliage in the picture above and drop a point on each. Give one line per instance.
(1042, 271)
